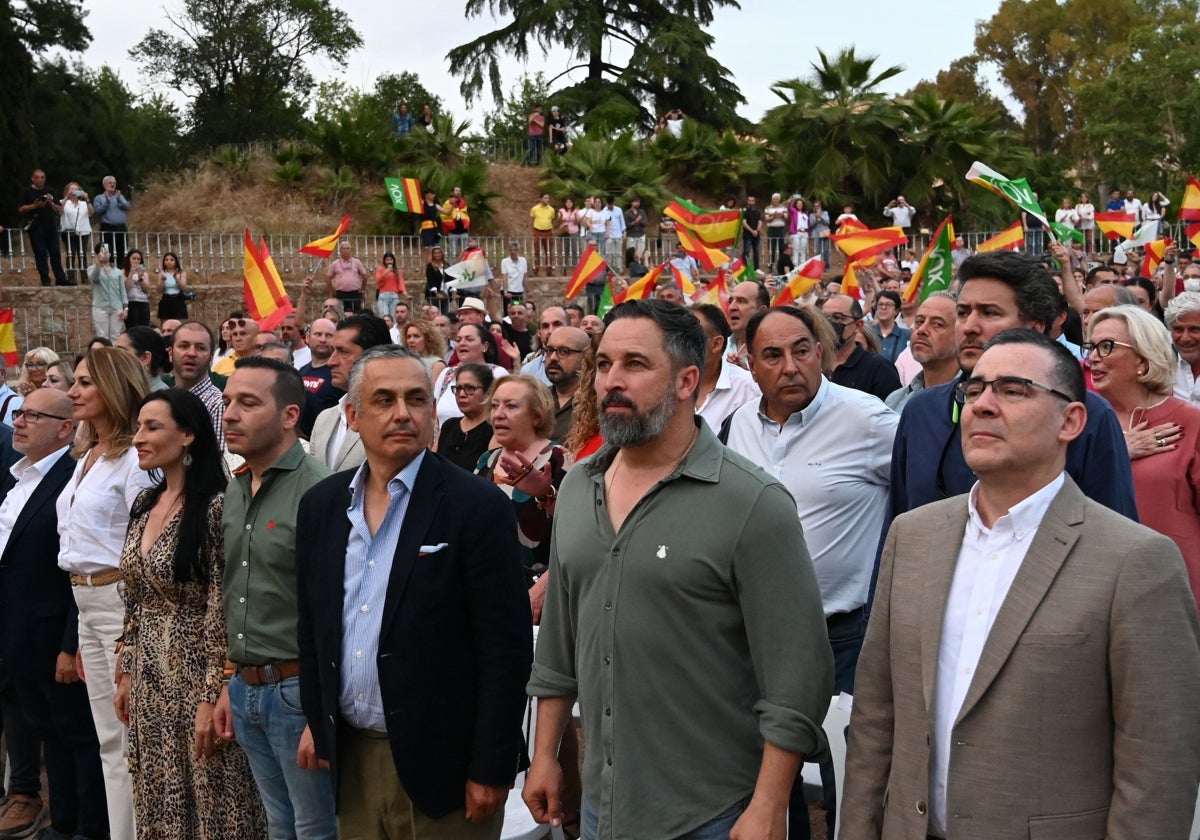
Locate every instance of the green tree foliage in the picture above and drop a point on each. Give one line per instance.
(508, 125)
(715, 163)
(602, 165)
(1142, 124)
(393, 88)
(243, 63)
(670, 62)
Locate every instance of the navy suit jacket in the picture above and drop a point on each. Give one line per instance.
(38, 616)
(456, 643)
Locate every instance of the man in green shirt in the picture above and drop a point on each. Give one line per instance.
(682, 610)
(260, 704)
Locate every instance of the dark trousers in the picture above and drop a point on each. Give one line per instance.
(114, 237)
(61, 717)
(46, 255)
(775, 240)
(25, 769)
(534, 156)
(846, 632)
(750, 251)
(351, 301)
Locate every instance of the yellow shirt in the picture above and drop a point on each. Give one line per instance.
(225, 366)
(543, 216)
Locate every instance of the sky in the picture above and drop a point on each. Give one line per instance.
(762, 43)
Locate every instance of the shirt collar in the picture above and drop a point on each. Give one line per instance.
(41, 467)
(406, 479)
(1023, 517)
(702, 462)
(804, 416)
(202, 386)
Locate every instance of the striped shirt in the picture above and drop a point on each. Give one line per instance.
(368, 567)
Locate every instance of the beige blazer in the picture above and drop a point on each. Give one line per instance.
(1083, 718)
(350, 454)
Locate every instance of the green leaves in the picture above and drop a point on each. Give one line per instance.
(598, 165)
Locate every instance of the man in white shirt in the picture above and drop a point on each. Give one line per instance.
(745, 299)
(334, 443)
(1183, 319)
(1133, 204)
(513, 269)
(615, 241)
(1033, 658)
(724, 387)
(552, 318)
(900, 212)
(291, 335)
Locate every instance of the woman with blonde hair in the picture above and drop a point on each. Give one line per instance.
(93, 517)
(76, 226)
(1133, 366)
(33, 371)
(60, 376)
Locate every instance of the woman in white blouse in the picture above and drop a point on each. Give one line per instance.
(76, 226)
(93, 515)
(1087, 222)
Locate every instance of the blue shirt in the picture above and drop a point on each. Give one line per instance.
(111, 210)
(403, 123)
(368, 567)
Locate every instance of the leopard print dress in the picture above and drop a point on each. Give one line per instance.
(174, 650)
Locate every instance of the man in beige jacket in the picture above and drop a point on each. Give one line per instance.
(1032, 662)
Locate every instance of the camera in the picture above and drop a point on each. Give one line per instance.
(48, 197)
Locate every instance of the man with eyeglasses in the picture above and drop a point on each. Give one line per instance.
(854, 367)
(553, 318)
(1033, 659)
(1000, 290)
(564, 361)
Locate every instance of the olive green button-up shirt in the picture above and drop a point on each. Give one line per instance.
(260, 558)
(690, 636)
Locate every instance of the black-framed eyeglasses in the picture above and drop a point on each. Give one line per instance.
(1009, 389)
(839, 319)
(1101, 348)
(32, 416)
(562, 352)
(465, 389)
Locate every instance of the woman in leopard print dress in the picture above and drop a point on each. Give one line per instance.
(187, 783)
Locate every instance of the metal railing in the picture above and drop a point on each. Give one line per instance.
(66, 327)
(219, 257)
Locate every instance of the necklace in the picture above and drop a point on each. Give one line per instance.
(619, 462)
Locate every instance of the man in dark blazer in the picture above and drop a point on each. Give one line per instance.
(38, 617)
(1032, 663)
(414, 632)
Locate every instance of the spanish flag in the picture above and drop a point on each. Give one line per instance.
(1009, 239)
(405, 194)
(740, 272)
(800, 282)
(710, 258)
(850, 282)
(1193, 233)
(266, 299)
(1189, 208)
(715, 228)
(591, 265)
(1155, 251)
(643, 288)
(851, 225)
(716, 292)
(325, 246)
(936, 270)
(860, 244)
(683, 281)
(1117, 225)
(8, 338)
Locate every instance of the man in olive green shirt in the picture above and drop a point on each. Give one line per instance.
(261, 703)
(682, 610)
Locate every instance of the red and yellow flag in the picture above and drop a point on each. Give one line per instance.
(326, 245)
(1009, 239)
(800, 282)
(1189, 208)
(405, 194)
(851, 225)
(643, 287)
(715, 228)
(716, 292)
(860, 244)
(710, 258)
(266, 299)
(591, 265)
(8, 339)
(1155, 251)
(683, 281)
(850, 282)
(1117, 225)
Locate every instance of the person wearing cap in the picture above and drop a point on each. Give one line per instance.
(557, 128)
(473, 311)
(513, 269)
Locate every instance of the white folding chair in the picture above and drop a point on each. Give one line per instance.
(837, 717)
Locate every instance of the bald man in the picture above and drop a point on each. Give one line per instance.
(242, 340)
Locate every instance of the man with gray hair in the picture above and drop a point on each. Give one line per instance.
(932, 346)
(1183, 319)
(112, 208)
(414, 630)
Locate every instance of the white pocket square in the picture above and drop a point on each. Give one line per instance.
(431, 549)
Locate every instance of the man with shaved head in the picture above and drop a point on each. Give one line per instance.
(552, 318)
(318, 375)
(242, 340)
(564, 362)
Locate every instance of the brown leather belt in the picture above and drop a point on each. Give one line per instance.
(270, 673)
(98, 579)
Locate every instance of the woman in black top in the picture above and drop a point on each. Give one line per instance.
(435, 278)
(464, 439)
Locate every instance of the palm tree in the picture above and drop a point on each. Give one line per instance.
(602, 165)
(836, 131)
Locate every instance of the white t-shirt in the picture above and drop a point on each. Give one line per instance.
(514, 272)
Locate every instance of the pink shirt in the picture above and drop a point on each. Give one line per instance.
(347, 275)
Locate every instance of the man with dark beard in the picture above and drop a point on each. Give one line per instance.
(564, 362)
(694, 559)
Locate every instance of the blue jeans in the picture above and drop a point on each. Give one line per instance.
(717, 828)
(385, 304)
(1033, 241)
(268, 723)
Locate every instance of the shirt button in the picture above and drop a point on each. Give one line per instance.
(240, 636)
(248, 527)
(616, 551)
(968, 670)
(995, 556)
(358, 654)
(365, 608)
(606, 659)
(241, 600)
(245, 563)
(360, 697)
(371, 564)
(610, 762)
(608, 605)
(608, 712)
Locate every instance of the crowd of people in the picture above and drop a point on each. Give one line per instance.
(281, 579)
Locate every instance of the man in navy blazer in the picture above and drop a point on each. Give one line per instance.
(415, 634)
(39, 620)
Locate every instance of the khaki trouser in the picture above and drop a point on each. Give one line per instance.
(372, 804)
